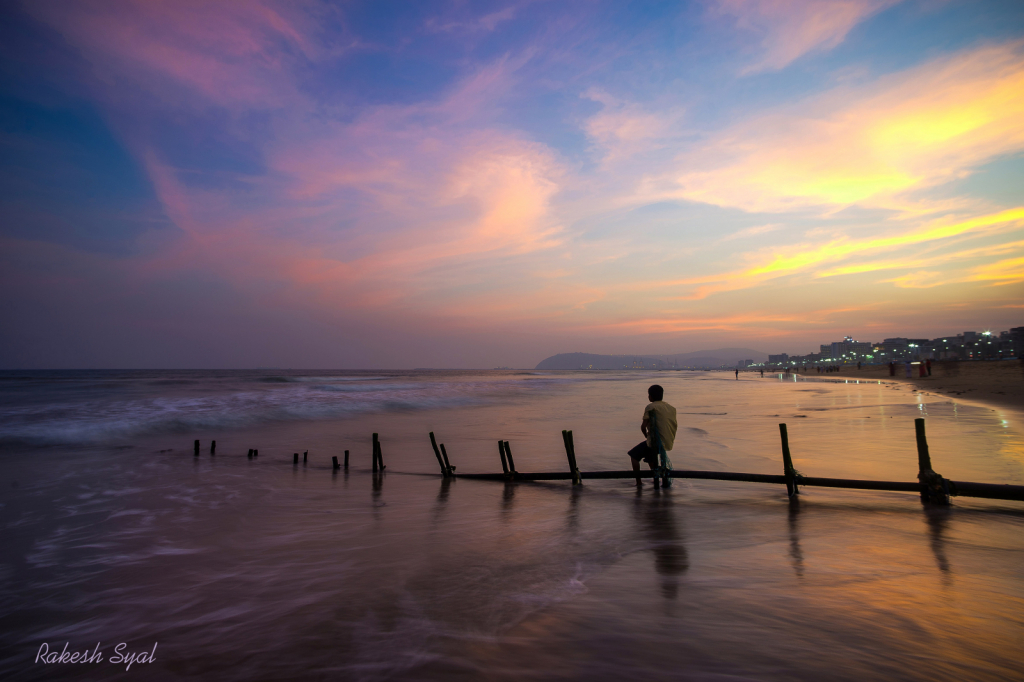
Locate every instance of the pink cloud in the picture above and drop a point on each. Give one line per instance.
(233, 54)
(789, 29)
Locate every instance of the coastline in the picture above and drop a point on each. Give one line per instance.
(993, 382)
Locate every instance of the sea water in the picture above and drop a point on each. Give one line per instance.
(115, 534)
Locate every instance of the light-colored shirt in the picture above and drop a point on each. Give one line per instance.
(664, 420)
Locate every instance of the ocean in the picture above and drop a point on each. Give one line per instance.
(234, 568)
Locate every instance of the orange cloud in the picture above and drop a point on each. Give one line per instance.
(870, 145)
(1008, 271)
(843, 248)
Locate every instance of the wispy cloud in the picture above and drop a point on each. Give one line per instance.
(470, 24)
(789, 29)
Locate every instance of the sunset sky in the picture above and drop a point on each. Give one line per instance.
(461, 184)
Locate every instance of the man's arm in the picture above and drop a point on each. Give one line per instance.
(645, 426)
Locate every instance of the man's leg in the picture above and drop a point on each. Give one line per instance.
(637, 454)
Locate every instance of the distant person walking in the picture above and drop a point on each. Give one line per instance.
(892, 368)
(665, 421)
(928, 366)
(921, 370)
(737, 375)
(762, 372)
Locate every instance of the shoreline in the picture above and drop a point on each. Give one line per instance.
(997, 382)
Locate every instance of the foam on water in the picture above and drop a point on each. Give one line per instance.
(42, 409)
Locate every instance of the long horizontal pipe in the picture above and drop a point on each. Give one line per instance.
(958, 488)
(992, 491)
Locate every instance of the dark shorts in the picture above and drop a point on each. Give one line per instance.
(646, 453)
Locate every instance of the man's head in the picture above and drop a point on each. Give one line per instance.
(655, 393)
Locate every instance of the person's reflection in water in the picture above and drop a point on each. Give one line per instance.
(670, 558)
(938, 519)
(795, 552)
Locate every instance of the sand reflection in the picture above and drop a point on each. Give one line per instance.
(796, 554)
(937, 519)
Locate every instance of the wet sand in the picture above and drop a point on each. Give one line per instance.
(995, 382)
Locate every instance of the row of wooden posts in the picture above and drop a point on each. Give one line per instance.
(933, 488)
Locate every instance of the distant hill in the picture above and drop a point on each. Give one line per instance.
(702, 359)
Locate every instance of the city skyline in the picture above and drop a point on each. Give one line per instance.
(486, 184)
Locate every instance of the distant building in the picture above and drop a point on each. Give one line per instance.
(847, 350)
(1016, 335)
(779, 359)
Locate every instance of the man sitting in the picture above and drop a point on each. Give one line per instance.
(664, 421)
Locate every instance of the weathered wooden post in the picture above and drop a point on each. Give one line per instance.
(197, 448)
(437, 453)
(334, 462)
(511, 463)
(375, 452)
(570, 454)
(295, 460)
(256, 453)
(934, 488)
(447, 465)
(504, 462)
(787, 463)
(213, 447)
(305, 454)
(346, 459)
(250, 453)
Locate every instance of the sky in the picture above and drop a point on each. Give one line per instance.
(383, 184)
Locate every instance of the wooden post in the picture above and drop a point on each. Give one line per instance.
(213, 447)
(296, 459)
(197, 448)
(570, 453)
(511, 463)
(375, 452)
(924, 459)
(334, 461)
(250, 453)
(380, 456)
(255, 453)
(305, 454)
(787, 463)
(447, 465)
(437, 453)
(346, 459)
(934, 488)
(501, 453)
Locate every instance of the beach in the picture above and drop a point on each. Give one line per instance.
(999, 382)
(245, 568)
